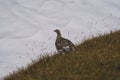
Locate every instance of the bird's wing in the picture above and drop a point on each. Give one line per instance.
(67, 42)
(64, 45)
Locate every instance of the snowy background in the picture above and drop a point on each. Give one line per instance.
(26, 26)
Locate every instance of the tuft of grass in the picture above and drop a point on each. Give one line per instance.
(96, 59)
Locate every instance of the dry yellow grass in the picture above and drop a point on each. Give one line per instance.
(96, 59)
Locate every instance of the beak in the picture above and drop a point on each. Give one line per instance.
(54, 30)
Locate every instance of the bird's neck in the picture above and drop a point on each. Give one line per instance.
(58, 35)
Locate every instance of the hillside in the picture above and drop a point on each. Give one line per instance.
(26, 26)
(96, 59)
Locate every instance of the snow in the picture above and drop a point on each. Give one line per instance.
(26, 26)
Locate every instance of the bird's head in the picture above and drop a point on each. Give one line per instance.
(57, 31)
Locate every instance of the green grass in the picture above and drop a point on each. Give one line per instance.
(96, 59)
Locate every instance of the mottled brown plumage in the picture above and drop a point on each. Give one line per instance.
(63, 45)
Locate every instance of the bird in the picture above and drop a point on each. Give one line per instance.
(63, 45)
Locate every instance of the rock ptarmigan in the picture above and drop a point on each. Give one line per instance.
(63, 45)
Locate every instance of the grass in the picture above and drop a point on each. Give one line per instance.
(96, 59)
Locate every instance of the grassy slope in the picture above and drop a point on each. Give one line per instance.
(96, 59)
